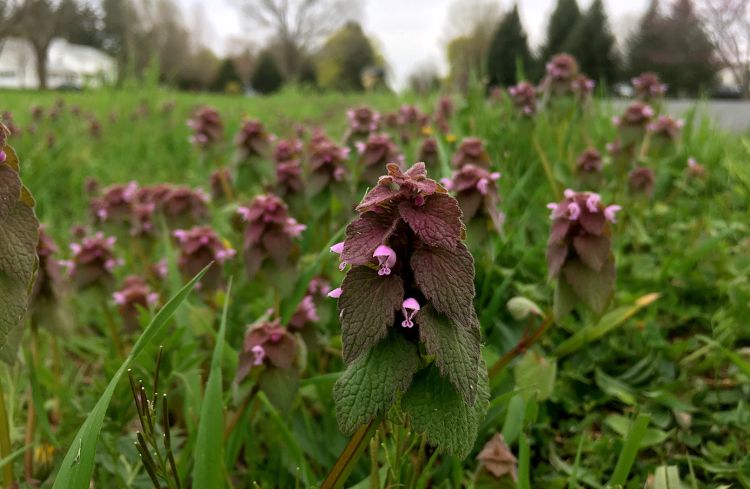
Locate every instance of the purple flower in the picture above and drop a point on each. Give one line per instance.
(477, 193)
(305, 314)
(208, 129)
(471, 151)
(695, 169)
(200, 246)
(641, 180)
(362, 121)
(2, 156)
(93, 261)
(252, 139)
(609, 212)
(409, 309)
(590, 161)
(428, 153)
(335, 293)
(637, 115)
(648, 86)
(666, 127)
(133, 295)
(579, 251)
(327, 162)
(259, 354)
(375, 153)
(386, 259)
(267, 343)
(269, 232)
(524, 98)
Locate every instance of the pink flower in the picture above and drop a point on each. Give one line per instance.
(574, 210)
(335, 293)
(386, 259)
(609, 212)
(592, 202)
(338, 248)
(410, 308)
(2, 156)
(259, 354)
(293, 228)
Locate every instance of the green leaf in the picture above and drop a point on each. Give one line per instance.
(446, 278)
(668, 477)
(456, 350)
(615, 387)
(369, 385)
(622, 425)
(565, 299)
(607, 323)
(535, 375)
(437, 409)
(19, 233)
(625, 460)
(367, 309)
(78, 464)
(595, 289)
(209, 446)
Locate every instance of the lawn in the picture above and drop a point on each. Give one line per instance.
(646, 388)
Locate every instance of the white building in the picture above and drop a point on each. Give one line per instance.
(68, 65)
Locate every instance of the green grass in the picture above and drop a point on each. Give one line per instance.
(679, 362)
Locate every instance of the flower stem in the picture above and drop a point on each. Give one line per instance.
(521, 346)
(5, 440)
(345, 463)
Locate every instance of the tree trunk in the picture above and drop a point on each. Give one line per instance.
(41, 52)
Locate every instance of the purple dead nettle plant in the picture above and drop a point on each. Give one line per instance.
(411, 281)
(93, 261)
(267, 345)
(583, 87)
(665, 130)
(471, 151)
(219, 181)
(475, 188)
(411, 121)
(288, 155)
(48, 286)
(633, 123)
(207, 126)
(579, 252)
(252, 140)
(134, 296)
(182, 206)
(641, 181)
(374, 154)
(199, 247)
(589, 166)
(444, 114)
(695, 169)
(523, 96)
(327, 165)
(561, 72)
(648, 86)
(362, 122)
(115, 204)
(270, 233)
(429, 154)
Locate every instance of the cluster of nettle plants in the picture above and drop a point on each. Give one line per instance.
(410, 334)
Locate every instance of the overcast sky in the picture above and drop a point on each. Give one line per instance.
(409, 32)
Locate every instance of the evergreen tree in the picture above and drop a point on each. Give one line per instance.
(267, 77)
(562, 23)
(676, 47)
(644, 44)
(226, 77)
(343, 58)
(508, 47)
(593, 45)
(689, 63)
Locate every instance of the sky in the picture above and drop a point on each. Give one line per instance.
(410, 33)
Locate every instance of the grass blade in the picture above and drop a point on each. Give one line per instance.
(78, 464)
(209, 447)
(629, 450)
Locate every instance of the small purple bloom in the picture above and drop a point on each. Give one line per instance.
(386, 259)
(2, 156)
(259, 354)
(335, 293)
(592, 202)
(409, 308)
(609, 212)
(574, 210)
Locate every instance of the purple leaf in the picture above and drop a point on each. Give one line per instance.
(594, 289)
(366, 233)
(592, 250)
(437, 222)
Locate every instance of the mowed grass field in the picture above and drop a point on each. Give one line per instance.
(654, 393)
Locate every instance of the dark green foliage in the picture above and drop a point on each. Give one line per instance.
(226, 76)
(593, 45)
(507, 49)
(343, 58)
(561, 25)
(266, 77)
(676, 46)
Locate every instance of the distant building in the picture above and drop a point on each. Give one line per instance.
(68, 65)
